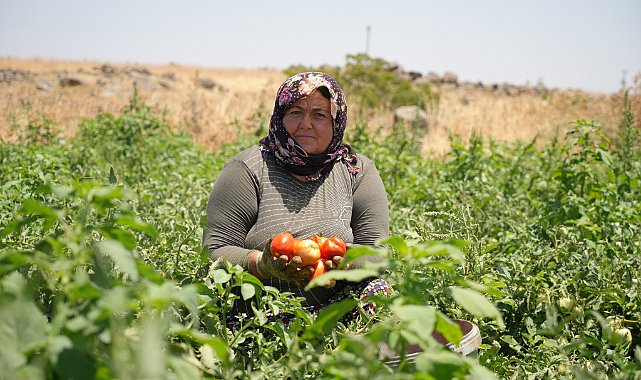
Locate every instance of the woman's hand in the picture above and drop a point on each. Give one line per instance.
(280, 267)
(335, 263)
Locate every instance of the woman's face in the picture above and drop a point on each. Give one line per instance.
(309, 121)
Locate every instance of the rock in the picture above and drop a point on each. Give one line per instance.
(101, 81)
(422, 81)
(411, 116)
(93, 71)
(166, 84)
(10, 75)
(402, 75)
(109, 70)
(137, 71)
(145, 85)
(168, 75)
(415, 74)
(450, 77)
(43, 85)
(207, 83)
(70, 81)
(433, 77)
(393, 66)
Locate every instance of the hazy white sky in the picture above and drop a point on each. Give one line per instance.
(580, 44)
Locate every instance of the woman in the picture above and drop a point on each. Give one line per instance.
(302, 179)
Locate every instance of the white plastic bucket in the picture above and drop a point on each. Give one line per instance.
(467, 347)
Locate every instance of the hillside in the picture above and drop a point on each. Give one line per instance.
(214, 103)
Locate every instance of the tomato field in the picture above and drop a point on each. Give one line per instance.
(102, 274)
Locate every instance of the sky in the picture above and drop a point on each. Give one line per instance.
(565, 44)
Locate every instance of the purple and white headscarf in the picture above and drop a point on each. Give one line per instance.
(287, 151)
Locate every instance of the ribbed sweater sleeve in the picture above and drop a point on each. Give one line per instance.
(231, 213)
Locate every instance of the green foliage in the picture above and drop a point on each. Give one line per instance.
(39, 129)
(102, 273)
(371, 84)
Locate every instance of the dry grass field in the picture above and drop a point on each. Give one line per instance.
(214, 115)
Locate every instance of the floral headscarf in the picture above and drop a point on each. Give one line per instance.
(287, 151)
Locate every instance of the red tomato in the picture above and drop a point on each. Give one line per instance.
(319, 268)
(333, 247)
(282, 244)
(318, 239)
(308, 251)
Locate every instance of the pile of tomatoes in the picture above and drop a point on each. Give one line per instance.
(313, 251)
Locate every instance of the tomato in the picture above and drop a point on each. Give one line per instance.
(318, 239)
(333, 247)
(308, 251)
(319, 268)
(282, 244)
(624, 334)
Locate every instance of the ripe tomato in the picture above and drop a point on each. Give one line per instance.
(282, 244)
(333, 247)
(319, 268)
(308, 251)
(318, 239)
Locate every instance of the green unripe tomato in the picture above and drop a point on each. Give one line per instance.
(624, 335)
(566, 303)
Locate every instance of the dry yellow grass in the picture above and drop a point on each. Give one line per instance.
(210, 115)
(213, 115)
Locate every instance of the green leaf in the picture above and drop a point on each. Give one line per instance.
(328, 317)
(440, 249)
(136, 223)
(125, 237)
(122, 257)
(112, 176)
(22, 327)
(420, 319)
(74, 365)
(398, 243)
(450, 330)
(486, 288)
(221, 276)
(605, 156)
(440, 364)
(475, 303)
(357, 252)
(247, 291)
(354, 275)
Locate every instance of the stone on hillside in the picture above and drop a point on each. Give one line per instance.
(168, 75)
(422, 81)
(70, 81)
(415, 74)
(43, 85)
(101, 81)
(10, 75)
(166, 84)
(433, 77)
(450, 77)
(109, 70)
(411, 116)
(137, 71)
(145, 85)
(207, 83)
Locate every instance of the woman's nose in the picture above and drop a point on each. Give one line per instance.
(306, 121)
